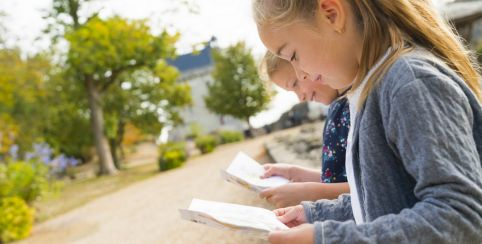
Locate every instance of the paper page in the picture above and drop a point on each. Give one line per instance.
(232, 216)
(248, 170)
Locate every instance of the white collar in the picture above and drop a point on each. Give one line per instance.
(354, 96)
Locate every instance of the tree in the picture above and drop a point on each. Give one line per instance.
(64, 17)
(22, 95)
(67, 126)
(146, 99)
(101, 53)
(237, 89)
(105, 54)
(39, 104)
(3, 29)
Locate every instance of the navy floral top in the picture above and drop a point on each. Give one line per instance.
(335, 136)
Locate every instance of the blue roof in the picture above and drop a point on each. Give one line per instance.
(192, 61)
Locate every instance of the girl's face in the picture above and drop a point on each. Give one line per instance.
(326, 50)
(306, 90)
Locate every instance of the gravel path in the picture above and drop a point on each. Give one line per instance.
(147, 212)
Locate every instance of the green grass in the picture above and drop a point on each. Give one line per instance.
(77, 193)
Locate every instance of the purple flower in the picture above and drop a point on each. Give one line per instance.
(42, 152)
(62, 162)
(29, 156)
(13, 152)
(73, 161)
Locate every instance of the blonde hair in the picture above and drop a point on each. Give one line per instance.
(271, 63)
(398, 24)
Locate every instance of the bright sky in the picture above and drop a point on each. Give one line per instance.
(229, 20)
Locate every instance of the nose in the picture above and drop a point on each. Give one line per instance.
(301, 96)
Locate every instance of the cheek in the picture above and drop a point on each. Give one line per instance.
(330, 57)
(309, 88)
(318, 62)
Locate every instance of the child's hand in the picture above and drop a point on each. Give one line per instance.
(282, 170)
(291, 216)
(287, 195)
(302, 234)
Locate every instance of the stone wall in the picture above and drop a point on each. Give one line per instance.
(302, 147)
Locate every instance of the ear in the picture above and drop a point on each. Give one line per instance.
(334, 13)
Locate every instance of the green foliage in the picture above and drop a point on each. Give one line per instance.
(105, 48)
(16, 219)
(68, 122)
(206, 143)
(195, 130)
(38, 103)
(145, 96)
(237, 89)
(26, 180)
(8, 129)
(22, 98)
(227, 136)
(172, 155)
(64, 17)
(3, 29)
(127, 65)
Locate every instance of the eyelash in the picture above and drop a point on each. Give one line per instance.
(295, 83)
(293, 57)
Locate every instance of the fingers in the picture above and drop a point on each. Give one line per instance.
(285, 215)
(290, 215)
(274, 196)
(266, 193)
(269, 171)
(280, 211)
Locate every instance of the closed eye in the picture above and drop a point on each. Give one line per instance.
(295, 83)
(293, 57)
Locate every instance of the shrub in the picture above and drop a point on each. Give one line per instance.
(16, 219)
(195, 131)
(227, 136)
(172, 155)
(206, 143)
(26, 180)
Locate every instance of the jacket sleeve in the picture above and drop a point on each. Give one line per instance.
(338, 209)
(431, 124)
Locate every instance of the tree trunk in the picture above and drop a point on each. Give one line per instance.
(250, 129)
(249, 124)
(97, 123)
(120, 139)
(116, 145)
(114, 152)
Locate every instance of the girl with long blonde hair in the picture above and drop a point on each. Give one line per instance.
(415, 144)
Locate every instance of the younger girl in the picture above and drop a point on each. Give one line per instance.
(415, 172)
(306, 183)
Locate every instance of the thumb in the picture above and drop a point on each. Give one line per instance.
(289, 216)
(267, 166)
(265, 193)
(269, 171)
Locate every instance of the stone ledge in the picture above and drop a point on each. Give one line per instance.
(303, 147)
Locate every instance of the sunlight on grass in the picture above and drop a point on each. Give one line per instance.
(77, 193)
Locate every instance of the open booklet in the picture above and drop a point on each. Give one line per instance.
(246, 172)
(232, 216)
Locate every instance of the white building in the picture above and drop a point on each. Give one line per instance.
(196, 70)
